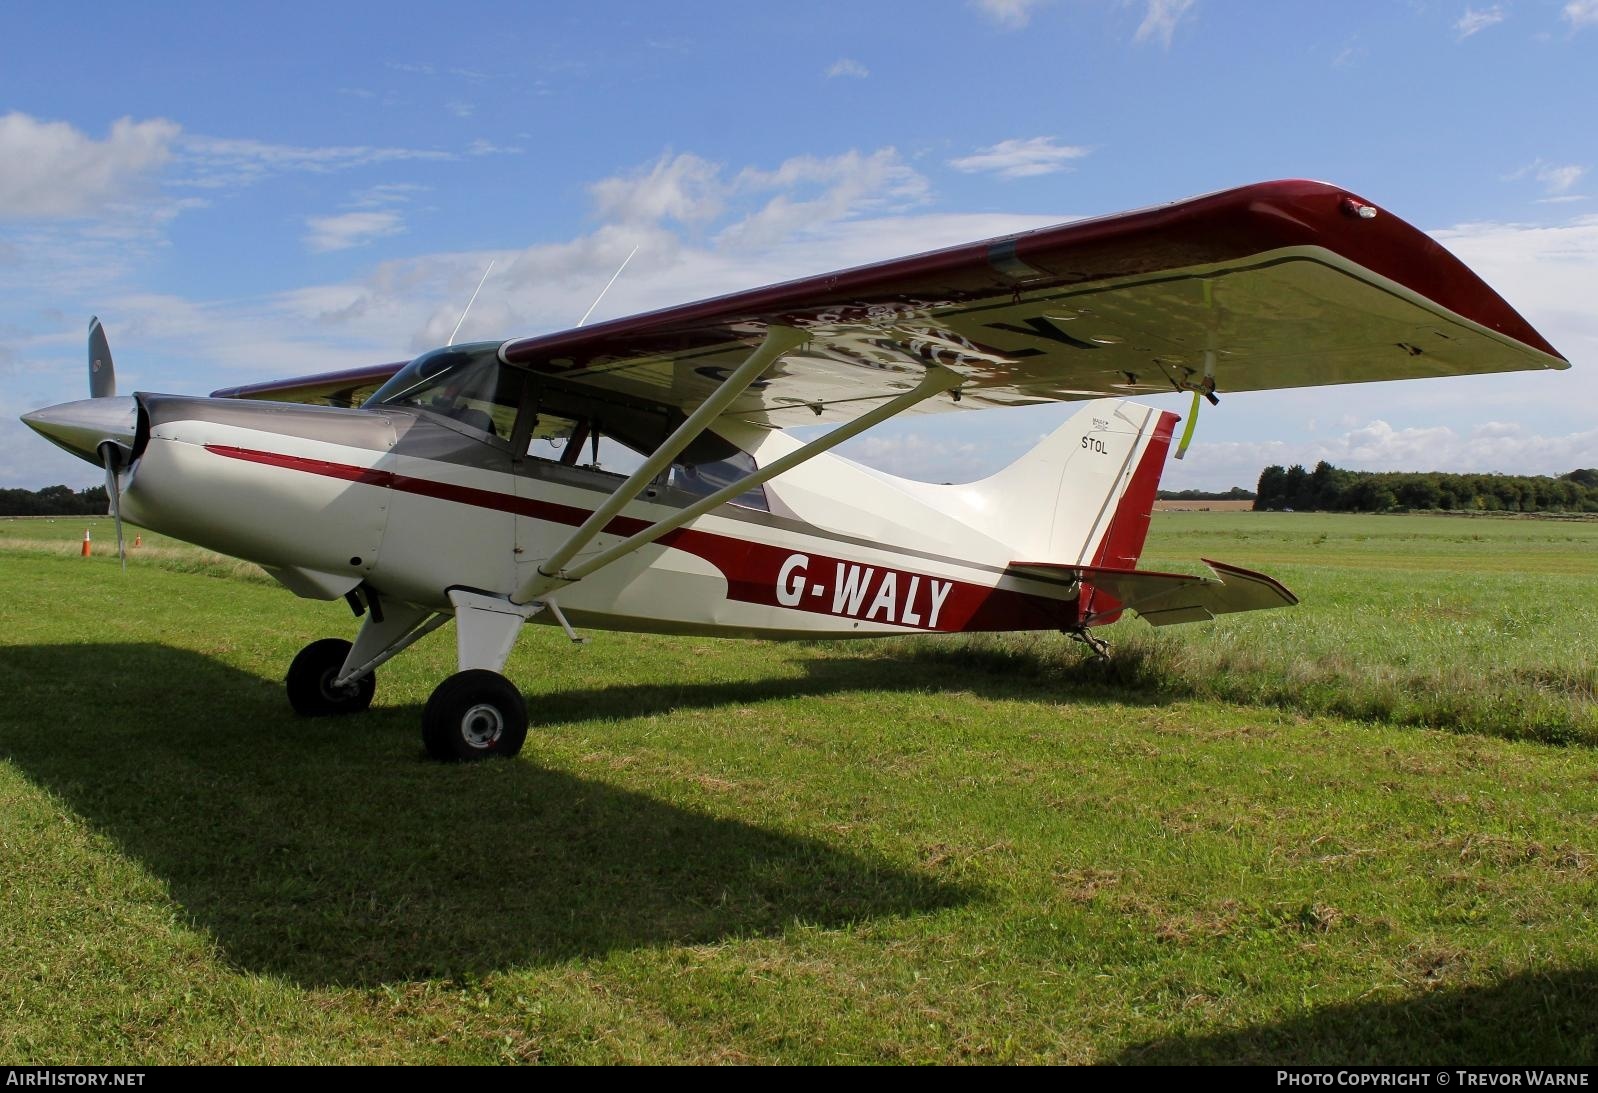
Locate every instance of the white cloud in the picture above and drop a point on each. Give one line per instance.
(1549, 272)
(354, 229)
(683, 188)
(52, 170)
(848, 66)
(1557, 179)
(1010, 14)
(387, 193)
(1581, 13)
(1473, 21)
(813, 191)
(1021, 158)
(758, 207)
(923, 457)
(1160, 20)
(217, 162)
(482, 147)
(1351, 54)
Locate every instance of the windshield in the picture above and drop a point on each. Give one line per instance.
(466, 383)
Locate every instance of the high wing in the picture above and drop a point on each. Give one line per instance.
(347, 388)
(1270, 286)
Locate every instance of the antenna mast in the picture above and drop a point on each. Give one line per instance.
(470, 302)
(606, 289)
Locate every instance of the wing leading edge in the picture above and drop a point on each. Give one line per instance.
(1276, 285)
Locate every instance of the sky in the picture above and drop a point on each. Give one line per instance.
(244, 192)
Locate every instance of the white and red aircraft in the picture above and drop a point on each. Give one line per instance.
(465, 484)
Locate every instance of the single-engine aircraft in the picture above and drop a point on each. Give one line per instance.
(466, 483)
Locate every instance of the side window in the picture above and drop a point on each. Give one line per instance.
(552, 438)
(704, 479)
(573, 443)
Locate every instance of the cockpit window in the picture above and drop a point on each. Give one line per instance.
(704, 479)
(467, 384)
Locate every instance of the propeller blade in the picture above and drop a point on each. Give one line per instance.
(102, 376)
(111, 458)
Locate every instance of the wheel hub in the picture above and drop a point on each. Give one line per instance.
(333, 693)
(482, 725)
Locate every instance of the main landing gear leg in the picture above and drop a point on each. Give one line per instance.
(477, 713)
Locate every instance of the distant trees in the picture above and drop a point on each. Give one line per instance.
(1236, 493)
(54, 501)
(1331, 489)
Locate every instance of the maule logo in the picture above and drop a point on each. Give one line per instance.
(863, 592)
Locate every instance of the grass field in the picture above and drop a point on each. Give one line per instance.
(1359, 830)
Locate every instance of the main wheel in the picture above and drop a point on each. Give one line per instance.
(311, 676)
(475, 714)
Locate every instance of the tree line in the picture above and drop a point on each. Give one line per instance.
(1236, 493)
(1332, 489)
(55, 501)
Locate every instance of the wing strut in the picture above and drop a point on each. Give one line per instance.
(937, 380)
(551, 574)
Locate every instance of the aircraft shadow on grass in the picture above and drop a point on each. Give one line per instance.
(923, 669)
(1530, 1019)
(332, 852)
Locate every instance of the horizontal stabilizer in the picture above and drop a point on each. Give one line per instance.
(1167, 598)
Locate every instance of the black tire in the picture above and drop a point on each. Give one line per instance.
(310, 682)
(475, 714)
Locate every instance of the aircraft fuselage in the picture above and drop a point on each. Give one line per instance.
(410, 505)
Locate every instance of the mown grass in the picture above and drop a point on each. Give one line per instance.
(735, 851)
(62, 537)
(1471, 625)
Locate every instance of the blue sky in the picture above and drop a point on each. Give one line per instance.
(243, 192)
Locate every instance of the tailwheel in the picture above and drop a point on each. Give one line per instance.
(1100, 648)
(310, 681)
(475, 714)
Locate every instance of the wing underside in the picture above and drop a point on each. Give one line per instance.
(1279, 285)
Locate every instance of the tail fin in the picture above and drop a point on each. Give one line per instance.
(1084, 495)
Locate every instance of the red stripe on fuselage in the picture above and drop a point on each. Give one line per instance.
(851, 590)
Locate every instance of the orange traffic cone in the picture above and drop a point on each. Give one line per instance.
(87, 549)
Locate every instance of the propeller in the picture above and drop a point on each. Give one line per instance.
(113, 455)
(102, 375)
